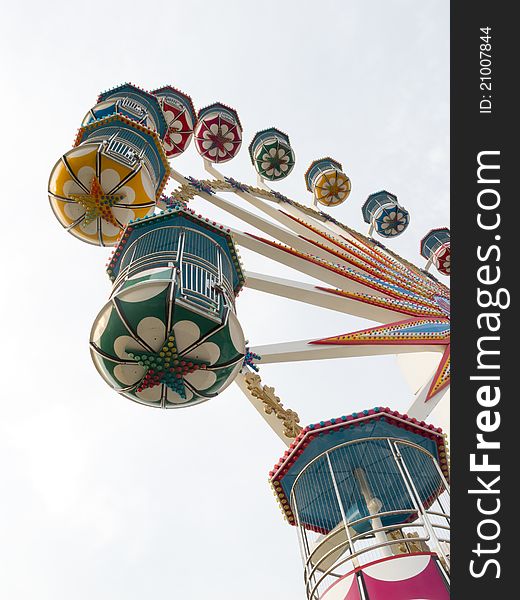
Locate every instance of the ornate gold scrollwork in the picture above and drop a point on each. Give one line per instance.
(272, 404)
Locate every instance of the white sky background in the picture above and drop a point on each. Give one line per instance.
(103, 498)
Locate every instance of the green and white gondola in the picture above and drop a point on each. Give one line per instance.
(169, 335)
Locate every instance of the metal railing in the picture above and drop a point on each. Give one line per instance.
(203, 269)
(125, 144)
(341, 538)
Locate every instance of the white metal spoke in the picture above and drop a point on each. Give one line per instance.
(332, 277)
(304, 350)
(421, 407)
(285, 236)
(310, 294)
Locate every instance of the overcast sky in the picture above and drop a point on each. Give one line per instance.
(109, 500)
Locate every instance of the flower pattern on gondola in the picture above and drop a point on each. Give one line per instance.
(443, 259)
(274, 161)
(89, 200)
(332, 188)
(136, 355)
(180, 130)
(392, 222)
(218, 139)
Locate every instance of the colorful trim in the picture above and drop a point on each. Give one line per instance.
(263, 133)
(200, 186)
(150, 132)
(378, 264)
(250, 358)
(310, 432)
(163, 91)
(107, 94)
(97, 204)
(241, 187)
(413, 331)
(129, 90)
(349, 273)
(191, 216)
(216, 106)
(362, 243)
(332, 164)
(442, 376)
(401, 306)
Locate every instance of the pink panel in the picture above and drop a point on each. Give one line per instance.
(353, 593)
(405, 577)
(400, 579)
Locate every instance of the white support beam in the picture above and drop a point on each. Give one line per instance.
(278, 233)
(274, 206)
(289, 234)
(310, 294)
(304, 350)
(317, 271)
(439, 414)
(337, 232)
(419, 371)
(285, 236)
(327, 227)
(421, 408)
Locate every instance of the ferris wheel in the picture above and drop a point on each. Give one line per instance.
(169, 335)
